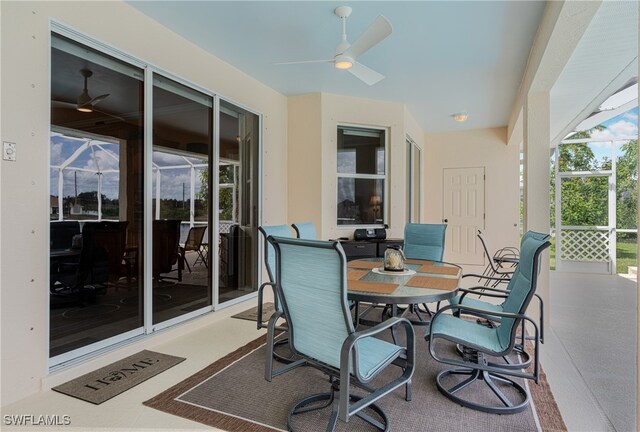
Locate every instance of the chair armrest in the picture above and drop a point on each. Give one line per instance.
(378, 328)
(479, 312)
(507, 252)
(350, 341)
(507, 259)
(466, 291)
(260, 301)
(484, 288)
(479, 276)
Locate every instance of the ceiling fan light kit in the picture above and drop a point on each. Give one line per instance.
(83, 101)
(343, 62)
(347, 53)
(86, 102)
(460, 117)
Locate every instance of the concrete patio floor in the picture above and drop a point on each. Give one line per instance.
(590, 351)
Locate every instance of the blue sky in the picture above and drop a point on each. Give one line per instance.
(623, 125)
(174, 182)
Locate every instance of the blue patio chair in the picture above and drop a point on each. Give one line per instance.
(305, 230)
(480, 341)
(494, 292)
(270, 263)
(423, 242)
(312, 284)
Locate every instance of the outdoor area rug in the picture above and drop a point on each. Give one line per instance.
(232, 394)
(109, 381)
(252, 314)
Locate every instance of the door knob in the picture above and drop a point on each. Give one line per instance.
(445, 220)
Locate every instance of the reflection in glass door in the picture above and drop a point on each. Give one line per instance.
(414, 181)
(182, 139)
(238, 185)
(108, 280)
(95, 200)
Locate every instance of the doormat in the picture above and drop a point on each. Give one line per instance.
(252, 314)
(109, 381)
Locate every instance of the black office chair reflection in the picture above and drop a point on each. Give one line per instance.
(82, 276)
(166, 252)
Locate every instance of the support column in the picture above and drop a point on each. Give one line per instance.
(537, 137)
(638, 254)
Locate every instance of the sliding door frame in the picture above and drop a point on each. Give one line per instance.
(260, 242)
(75, 356)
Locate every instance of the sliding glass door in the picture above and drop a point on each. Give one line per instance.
(96, 198)
(414, 181)
(182, 142)
(146, 204)
(238, 180)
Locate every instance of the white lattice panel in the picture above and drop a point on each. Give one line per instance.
(585, 245)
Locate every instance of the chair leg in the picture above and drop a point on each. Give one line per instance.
(324, 400)
(268, 364)
(507, 406)
(202, 258)
(408, 393)
(184, 258)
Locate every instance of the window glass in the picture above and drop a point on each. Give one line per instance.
(361, 151)
(182, 138)
(96, 198)
(361, 167)
(238, 198)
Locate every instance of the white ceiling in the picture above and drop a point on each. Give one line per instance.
(442, 57)
(604, 60)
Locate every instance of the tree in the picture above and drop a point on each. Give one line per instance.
(627, 186)
(584, 200)
(226, 175)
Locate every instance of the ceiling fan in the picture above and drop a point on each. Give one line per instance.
(347, 53)
(85, 103)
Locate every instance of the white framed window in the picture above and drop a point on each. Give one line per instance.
(414, 181)
(362, 191)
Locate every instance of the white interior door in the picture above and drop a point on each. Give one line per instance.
(463, 212)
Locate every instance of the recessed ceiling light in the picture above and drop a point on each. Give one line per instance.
(460, 117)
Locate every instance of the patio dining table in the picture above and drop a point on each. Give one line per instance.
(428, 282)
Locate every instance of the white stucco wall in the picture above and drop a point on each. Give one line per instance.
(304, 156)
(24, 184)
(312, 190)
(477, 148)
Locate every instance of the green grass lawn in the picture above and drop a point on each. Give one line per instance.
(626, 254)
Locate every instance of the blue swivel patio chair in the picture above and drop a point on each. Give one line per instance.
(493, 292)
(423, 242)
(305, 230)
(311, 281)
(479, 341)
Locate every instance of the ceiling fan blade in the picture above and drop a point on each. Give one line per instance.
(109, 114)
(304, 62)
(62, 104)
(98, 99)
(373, 35)
(367, 75)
